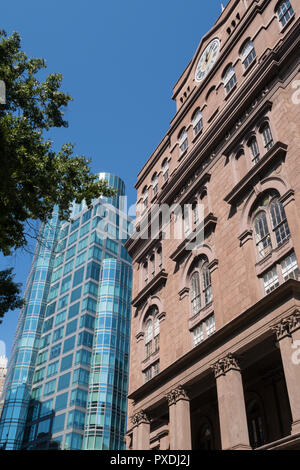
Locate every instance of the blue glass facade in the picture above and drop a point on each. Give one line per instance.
(65, 372)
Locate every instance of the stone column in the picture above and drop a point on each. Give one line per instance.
(141, 431)
(231, 403)
(179, 420)
(288, 337)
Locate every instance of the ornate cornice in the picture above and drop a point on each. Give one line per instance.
(287, 326)
(176, 394)
(139, 418)
(224, 365)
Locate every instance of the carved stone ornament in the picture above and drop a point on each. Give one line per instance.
(140, 417)
(176, 394)
(287, 326)
(224, 365)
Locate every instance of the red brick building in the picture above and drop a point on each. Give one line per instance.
(214, 338)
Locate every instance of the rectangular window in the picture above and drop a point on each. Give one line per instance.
(48, 325)
(91, 288)
(71, 327)
(46, 407)
(42, 357)
(63, 302)
(55, 351)
(49, 387)
(70, 252)
(81, 377)
(84, 229)
(95, 252)
(50, 309)
(85, 339)
(61, 402)
(75, 224)
(73, 310)
(76, 294)
(58, 334)
(80, 259)
(87, 321)
(76, 419)
(68, 267)
(78, 277)
(86, 216)
(60, 317)
(78, 398)
(210, 325)
(89, 304)
(39, 375)
(53, 292)
(83, 357)
(82, 244)
(271, 280)
(65, 284)
(73, 238)
(56, 275)
(93, 271)
(58, 423)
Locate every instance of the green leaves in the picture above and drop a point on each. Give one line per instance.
(33, 177)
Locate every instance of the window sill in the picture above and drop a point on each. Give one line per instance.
(274, 256)
(204, 313)
(183, 154)
(196, 137)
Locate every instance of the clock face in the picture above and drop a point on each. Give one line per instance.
(207, 60)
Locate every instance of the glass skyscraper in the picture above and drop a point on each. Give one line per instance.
(67, 378)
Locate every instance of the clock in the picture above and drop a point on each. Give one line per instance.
(207, 60)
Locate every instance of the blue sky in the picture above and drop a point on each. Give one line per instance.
(120, 60)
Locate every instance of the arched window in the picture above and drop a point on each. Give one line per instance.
(165, 170)
(152, 333)
(183, 140)
(200, 286)
(155, 184)
(229, 78)
(285, 12)
(271, 216)
(248, 54)
(253, 145)
(197, 122)
(267, 135)
(255, 424)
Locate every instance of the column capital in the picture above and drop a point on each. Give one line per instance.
(287, 325)
(140, 417)
(177, 394)
(224, 365)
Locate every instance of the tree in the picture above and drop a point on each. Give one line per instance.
(34, 178)
(9, 293)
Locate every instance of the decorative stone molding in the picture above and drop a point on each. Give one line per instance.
(224, 365)
(140, 417)
(245, 236)
(287, 326)
(176, 394)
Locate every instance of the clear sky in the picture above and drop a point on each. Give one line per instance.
(120, 60)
